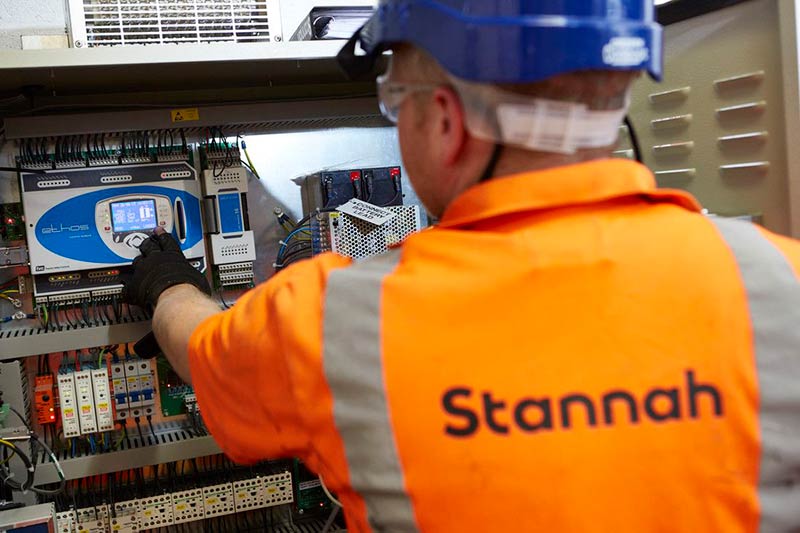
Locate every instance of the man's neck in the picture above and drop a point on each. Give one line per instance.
(516, 161)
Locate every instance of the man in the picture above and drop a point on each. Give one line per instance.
(570, 349)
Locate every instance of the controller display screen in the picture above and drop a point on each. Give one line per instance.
(136, 215)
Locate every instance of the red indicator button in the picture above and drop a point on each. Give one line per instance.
(394, 172)
(355, 175)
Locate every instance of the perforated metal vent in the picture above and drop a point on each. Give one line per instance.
(130, 22)
(355, 238)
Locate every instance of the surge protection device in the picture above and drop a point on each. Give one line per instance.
(85, 225)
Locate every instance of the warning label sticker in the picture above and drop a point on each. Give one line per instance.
(366, 212)
(185, 115)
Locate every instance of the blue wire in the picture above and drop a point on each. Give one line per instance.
(289, 237)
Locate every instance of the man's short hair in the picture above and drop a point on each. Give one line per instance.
(600, 90)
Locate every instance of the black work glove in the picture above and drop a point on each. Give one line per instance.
(162, 265)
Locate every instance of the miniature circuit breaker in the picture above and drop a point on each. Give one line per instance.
(119, 388)
(133, 385)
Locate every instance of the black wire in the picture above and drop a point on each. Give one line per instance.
(73, 325)
(139, 430)
(637, 151)
(150, 423)
(26, 170)
(5, 471)
(305, 253)
(124, 424)
(54, 317)
(393, 201)
(22, 419)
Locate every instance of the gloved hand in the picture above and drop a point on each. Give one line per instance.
(161, 266)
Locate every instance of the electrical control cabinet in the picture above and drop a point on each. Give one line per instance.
(127, 434)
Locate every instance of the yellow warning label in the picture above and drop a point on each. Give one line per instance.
(191, 114)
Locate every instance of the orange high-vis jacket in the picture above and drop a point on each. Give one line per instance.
(568, 350)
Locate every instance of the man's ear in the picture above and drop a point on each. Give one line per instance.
(451, 124)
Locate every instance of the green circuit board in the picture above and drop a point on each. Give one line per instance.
(172, 390)
(12, 223)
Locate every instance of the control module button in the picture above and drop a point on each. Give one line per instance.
(135, 240)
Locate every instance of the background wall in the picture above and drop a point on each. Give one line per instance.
(30, 17)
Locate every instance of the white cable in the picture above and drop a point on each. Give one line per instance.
(328, 493)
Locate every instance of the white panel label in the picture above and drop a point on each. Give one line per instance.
(367, 212)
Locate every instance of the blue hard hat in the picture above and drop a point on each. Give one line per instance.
(514, 41)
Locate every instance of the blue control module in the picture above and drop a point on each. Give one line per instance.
(93, 218)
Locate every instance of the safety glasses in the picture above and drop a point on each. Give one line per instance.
(392, 94)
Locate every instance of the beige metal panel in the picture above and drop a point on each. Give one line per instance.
(715, 126)
(789, 12)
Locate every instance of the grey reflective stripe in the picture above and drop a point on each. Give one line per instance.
(773, 296)
(352, 352)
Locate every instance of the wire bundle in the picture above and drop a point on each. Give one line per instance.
(296, 246)
(7, 476)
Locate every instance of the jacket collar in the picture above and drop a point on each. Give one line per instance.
(574, 185)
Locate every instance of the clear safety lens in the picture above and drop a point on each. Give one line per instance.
(391, 95)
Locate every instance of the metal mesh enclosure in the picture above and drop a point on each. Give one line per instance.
(355, 238)
(140, 22)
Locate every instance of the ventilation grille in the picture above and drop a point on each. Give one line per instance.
(140, 22)
(357, 239)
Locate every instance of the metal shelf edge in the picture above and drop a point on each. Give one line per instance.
(169, 53)
(74, 339)
(124, 460)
